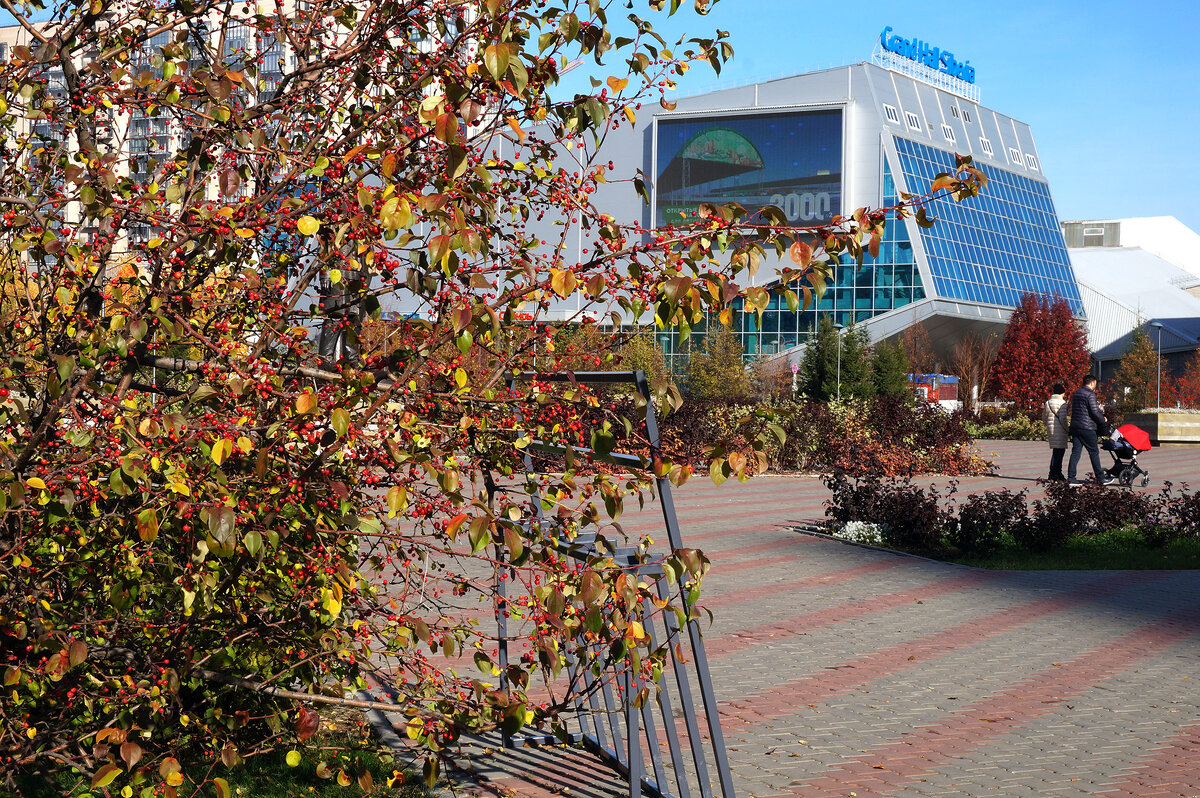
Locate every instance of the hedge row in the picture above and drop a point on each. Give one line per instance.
(899, 514)
(878, 436)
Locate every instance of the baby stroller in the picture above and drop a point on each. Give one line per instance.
(1124, 443)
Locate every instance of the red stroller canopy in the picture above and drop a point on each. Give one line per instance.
(1136, 436)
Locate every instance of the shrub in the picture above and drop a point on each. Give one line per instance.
(1185, 515)
(983, 519)
(908, 516)
(852, 500)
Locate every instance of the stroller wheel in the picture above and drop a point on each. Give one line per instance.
(1145, 479)
(1126, 477)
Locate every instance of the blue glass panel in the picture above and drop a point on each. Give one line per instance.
(994, 247)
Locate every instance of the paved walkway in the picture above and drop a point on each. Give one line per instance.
(844, 671)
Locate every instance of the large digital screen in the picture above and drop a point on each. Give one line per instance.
(792, 160)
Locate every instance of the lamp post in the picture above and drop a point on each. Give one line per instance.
(838, 329)
(1158, 361)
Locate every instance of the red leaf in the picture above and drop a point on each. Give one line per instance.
(307, 723)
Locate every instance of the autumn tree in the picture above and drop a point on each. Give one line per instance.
(971, 360)
(218, 508)
(918, 349)
(1043, 344)
(1185, 389)
(716, 369)
(1136, 380)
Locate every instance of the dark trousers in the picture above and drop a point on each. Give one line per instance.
(1080, 439)
(1056, 461)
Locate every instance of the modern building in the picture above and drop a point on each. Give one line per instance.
(1134, 272)
(824, 143)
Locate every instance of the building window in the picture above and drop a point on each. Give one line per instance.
(948, 132)
(954, 111)
(1093, 236)
(987, 147)
(891, 113)
(913, 122)
(1014, 155)
(1031, 162)
(966, 115)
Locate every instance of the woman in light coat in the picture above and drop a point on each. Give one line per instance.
(1054, 414)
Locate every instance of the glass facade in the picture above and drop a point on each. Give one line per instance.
(854, 294)
(995, 247)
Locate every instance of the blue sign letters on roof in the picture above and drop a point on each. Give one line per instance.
(923, 53)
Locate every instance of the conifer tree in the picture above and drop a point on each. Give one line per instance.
(889, 371)
(1136, 377)
(818, 368)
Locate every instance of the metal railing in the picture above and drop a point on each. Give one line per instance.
(620, 733)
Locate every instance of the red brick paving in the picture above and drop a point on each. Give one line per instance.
(803, 621)
(925, 749)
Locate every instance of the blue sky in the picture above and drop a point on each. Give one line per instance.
(1110, 88)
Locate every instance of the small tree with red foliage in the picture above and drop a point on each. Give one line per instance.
(1042, 345)
(1185, 391)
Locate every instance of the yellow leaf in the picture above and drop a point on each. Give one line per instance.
(307, 225)
(174, 779)
(335, 276)
(616, 84)
(245, 444)
(293, 758)
(221, 450)
(244, 232)
(36, 482)
(630, 115)
(563, 282)
(222, 787)
(306, 403)
(104, 776)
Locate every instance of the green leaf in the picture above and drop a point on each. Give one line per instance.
(253, 540)
(397, 500)
(478, 533)
(495, 58)
(716, 470)
(339, 419)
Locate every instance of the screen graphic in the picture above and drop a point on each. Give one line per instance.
(792, 160)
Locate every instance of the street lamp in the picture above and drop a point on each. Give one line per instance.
(838, 329)
(1158, 361)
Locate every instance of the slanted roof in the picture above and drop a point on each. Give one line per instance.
(1125, 287)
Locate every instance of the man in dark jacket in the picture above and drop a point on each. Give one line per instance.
(1087, 422)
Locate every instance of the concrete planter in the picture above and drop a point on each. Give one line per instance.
(1166, 426)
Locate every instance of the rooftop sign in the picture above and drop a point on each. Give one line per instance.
(927, 55)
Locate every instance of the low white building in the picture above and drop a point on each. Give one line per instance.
(1133, 272)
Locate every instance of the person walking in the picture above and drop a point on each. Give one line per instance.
(1087, 421)
(1054, 414)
